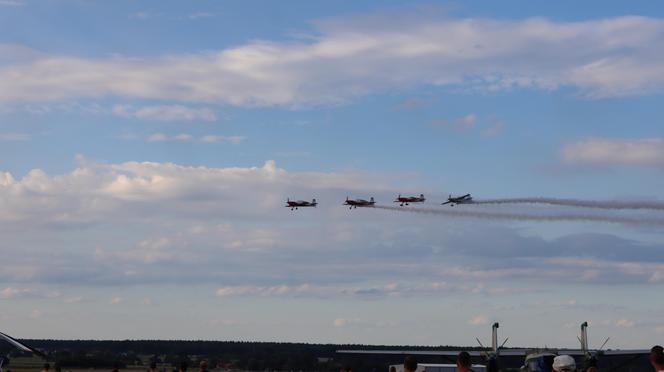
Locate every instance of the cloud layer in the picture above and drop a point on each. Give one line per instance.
(166, 223)
(648, 152)
(348, 57)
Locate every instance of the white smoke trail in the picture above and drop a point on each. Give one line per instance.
(600, 204)
(527, 217)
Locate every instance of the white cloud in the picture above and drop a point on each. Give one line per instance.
(200, 15)
(14, 137)
(612, 152)
(116, 301)
(344, 322)
(254, 290)
(73, 300)
(479, 320)
(493, 129)
(166, 113)
(463, 124)
(186, 137)
(12, 2)
(467, 122)
(363, 55)
(214, 138)
(624, 323)
(11, 292)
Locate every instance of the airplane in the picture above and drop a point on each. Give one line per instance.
(354, 203)
(405, 200)
(463, 199)
(295, 204)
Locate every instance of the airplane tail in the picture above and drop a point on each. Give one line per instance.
(372, 200)
(313, 201)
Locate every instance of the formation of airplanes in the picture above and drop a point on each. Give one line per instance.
(362, 203)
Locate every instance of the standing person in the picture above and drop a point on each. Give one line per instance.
(203, 366)
(564, 363)
(46, 367)
(393, 369)
(183, 367)
(410, 364)
(463, 362)
(657, 358)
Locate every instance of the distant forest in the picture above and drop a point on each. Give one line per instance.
(255, 356)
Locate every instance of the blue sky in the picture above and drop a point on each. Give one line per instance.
(146, 149)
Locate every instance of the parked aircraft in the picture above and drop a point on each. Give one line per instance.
(354, 203)
(463, 199)
(295, 204)
(534, 360)
(405, 200)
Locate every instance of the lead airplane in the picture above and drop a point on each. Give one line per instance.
(405, 200)
(463, 199)
(354, 203)
(295, 204)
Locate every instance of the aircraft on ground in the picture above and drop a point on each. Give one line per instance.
(405, 200)
(295, 204)
(354, 203)
(535, 360)
(463, 199)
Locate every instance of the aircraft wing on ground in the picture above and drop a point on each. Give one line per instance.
(624, 352)
(17, 344)
(477, 353)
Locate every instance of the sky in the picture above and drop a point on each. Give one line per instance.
(147, 149)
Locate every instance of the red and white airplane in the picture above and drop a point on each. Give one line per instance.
(295, 204)
(354, 203)
(405, 200)
(463, 199)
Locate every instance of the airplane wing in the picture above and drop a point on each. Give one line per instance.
(599, 352)
(476, 353)
(17, 344)
(410, 352)
(447, 202)
(624, 352)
